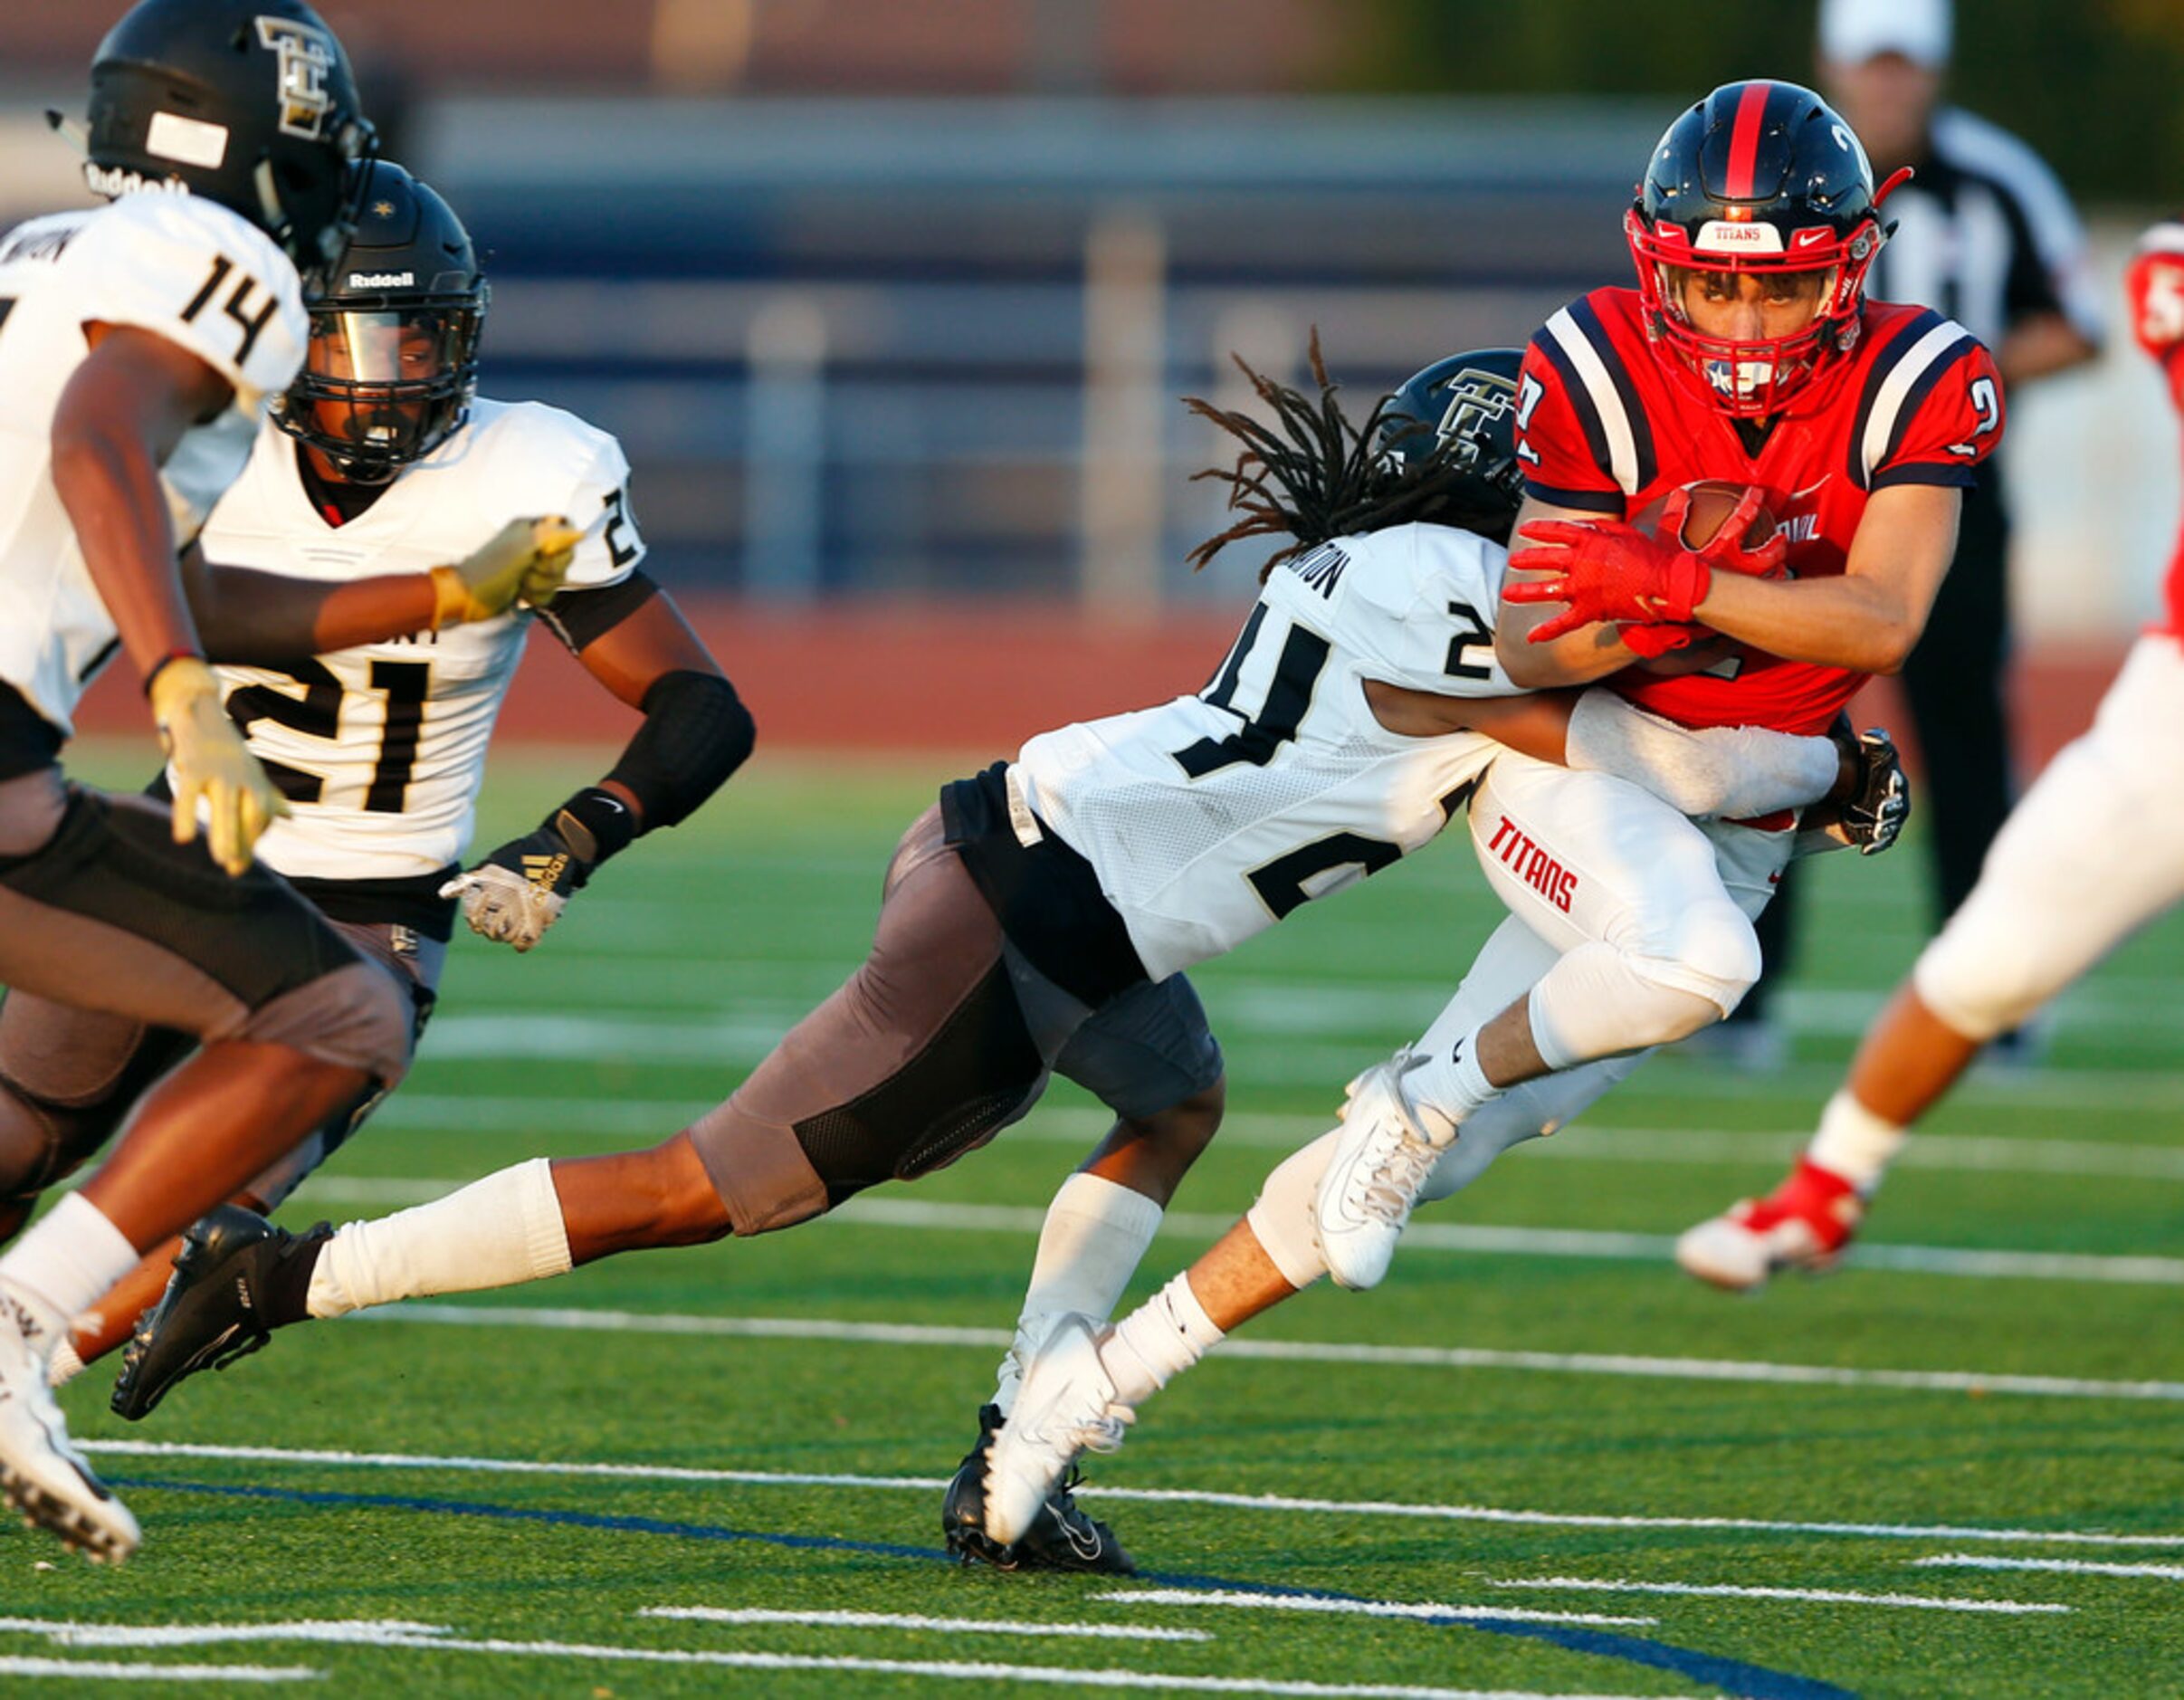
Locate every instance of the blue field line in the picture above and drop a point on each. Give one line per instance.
(1750, 1682)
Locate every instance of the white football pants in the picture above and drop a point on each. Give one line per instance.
(1585, 860)
(2091, 854)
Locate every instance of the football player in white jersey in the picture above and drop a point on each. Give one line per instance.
(1038, 919)
(137, 344)
(380, 455)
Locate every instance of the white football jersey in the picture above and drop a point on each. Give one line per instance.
(380, 748)
(1214, 815)
(186, 269)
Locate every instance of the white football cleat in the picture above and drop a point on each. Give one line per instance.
(1806, 1223)
(42, 1473)
(1066, 1406)
(1387, 1148)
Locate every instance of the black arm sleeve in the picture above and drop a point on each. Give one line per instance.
(696, 732)
(580, 617)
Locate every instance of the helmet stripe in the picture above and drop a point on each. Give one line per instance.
(1744, 139)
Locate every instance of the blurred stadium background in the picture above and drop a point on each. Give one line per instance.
(891, 303)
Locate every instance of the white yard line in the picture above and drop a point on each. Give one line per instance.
(1229, 1598)
(739, 1035)
(429, 1639)
(1291, 1351)
(919, 1214)
(1589, 1141)
(1155, 1496)
(107, 1670)
(1822, 1596)
(946, 1625)
(1561, 1242)
(2064, 1567)
(335, 1632)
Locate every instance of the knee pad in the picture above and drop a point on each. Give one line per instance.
(1282, 1216)
(1710, 950)
(979, 1072)
(1598, 1001)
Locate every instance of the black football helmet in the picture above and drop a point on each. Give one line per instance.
(247, 102)
(1764, 178)
(1469, 401)
(394, 334)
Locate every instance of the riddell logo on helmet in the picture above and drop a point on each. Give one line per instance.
(113, 181)
(382, 280)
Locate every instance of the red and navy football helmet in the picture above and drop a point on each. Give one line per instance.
(1758, 178)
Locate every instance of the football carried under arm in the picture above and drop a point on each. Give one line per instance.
(1608, 570)
(696, 732)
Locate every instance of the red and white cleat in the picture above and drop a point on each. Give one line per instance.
(1803, 1224)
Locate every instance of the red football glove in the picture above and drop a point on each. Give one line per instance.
(1655, 641)
(1610, 570)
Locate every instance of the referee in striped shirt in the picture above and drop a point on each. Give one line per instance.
(1986, 236)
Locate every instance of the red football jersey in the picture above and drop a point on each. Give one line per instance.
(1606, 424)
(2155, 288)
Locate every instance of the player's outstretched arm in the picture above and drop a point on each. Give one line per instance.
(267, 618)
(634, 641)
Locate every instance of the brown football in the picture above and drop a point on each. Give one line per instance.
(1713, 500)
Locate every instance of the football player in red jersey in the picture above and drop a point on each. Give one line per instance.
(1748, 353)
(2094, 851)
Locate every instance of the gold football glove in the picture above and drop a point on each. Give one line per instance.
(211, 764)
(527, 559)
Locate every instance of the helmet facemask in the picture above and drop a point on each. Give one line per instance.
(383, 389)
(1753, 377)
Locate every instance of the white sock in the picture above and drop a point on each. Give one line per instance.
(497, 1232)
(1856, 1144)
(69, 1260)
(1095, 1235)
(64, 1366)
(1450, 1082)
(1157, 1341)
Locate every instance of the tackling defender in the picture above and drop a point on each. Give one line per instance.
(1748, 353)
(2093, 852)
(139, 343)
(1040, 919)
(381, 455)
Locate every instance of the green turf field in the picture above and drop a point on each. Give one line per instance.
(1595, 1477)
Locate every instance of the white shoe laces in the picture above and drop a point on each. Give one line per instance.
(1390, 1189)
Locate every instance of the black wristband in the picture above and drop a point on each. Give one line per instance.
(596, 823)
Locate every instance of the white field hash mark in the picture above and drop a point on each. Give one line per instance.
(1289, 1351)
(947, 1626)
(1150, 1495)
(1234, 1600)
(1822, 1596)
(433, 1639)
(2062, 1567)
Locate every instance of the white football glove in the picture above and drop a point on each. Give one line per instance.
(502, 905)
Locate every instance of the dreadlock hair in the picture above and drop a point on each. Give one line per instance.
(1312, 475)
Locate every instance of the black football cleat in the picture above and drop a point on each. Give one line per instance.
(216, 1307)
(1061, 1538)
